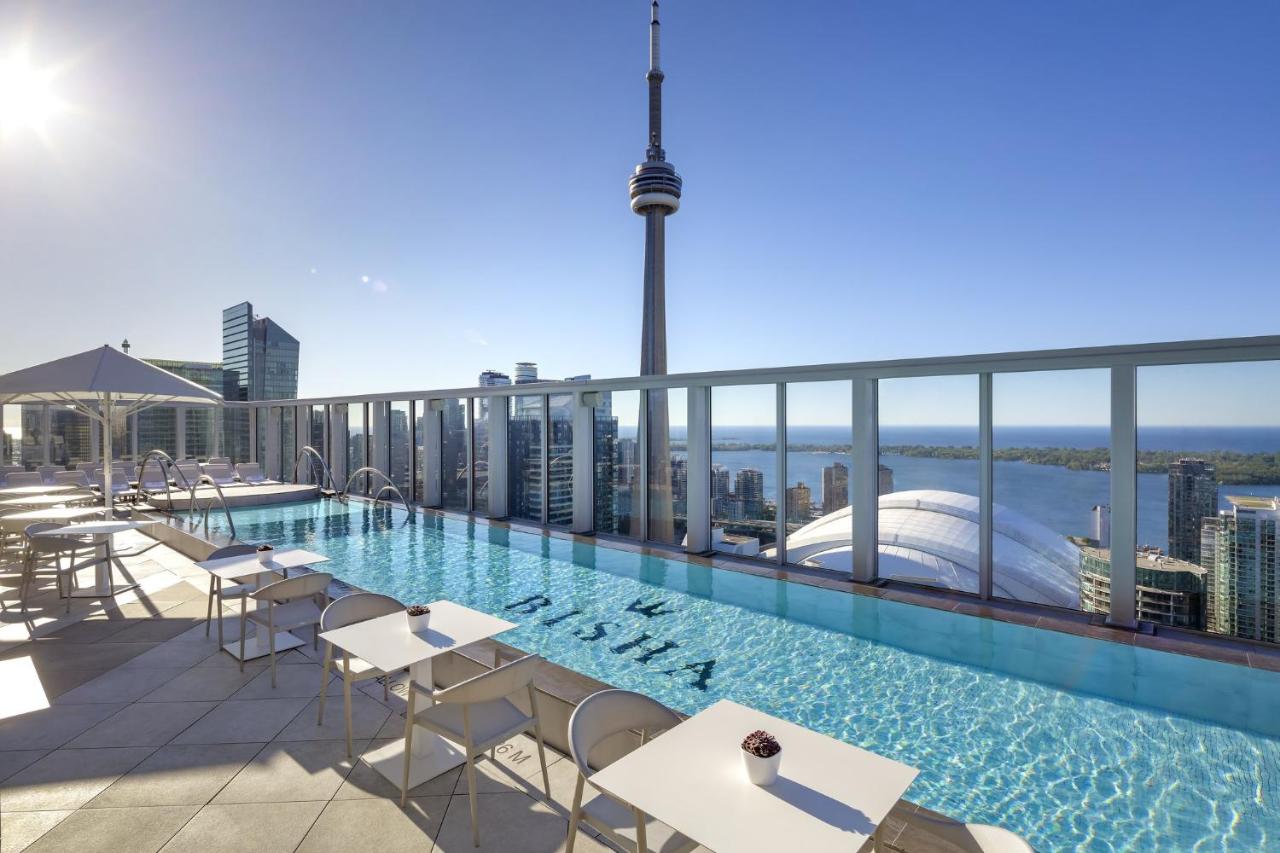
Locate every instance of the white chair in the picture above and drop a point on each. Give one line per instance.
(47, 473)
(220, 592)
(251, 473)
(600, 717)
(24, 478)
(39, 547)
(291, 603)
(152, 477)
(188, 474)
(357, 607)
(219, 460)
(478, 714)
(71, 478)
(971, 837)
(220, 474)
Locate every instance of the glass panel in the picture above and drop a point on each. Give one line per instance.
(235, 435)
(288, 443)
(401, 449)
(668, 465)
(123, 428)
(260, 436)
(819, 465)
(357, 446)
(928, 513)
(1208, 511)
(158, 430)
(480, 421)
(1052, 487)
(454, 473)
(11, 438)
(524, 458)
(69, 439)
(560, 460)
(32, 453)
(617, 468)
(419, 441)
(744, 470)
(199, 434)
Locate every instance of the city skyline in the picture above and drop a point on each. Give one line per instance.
(1018, 205)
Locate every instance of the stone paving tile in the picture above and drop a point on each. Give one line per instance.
(296, 681)
(367, 718)
(14, 760)
(123, 684)
(287, 772)
(19, 830)
(344, 825)
(178, 775)
(249, 721)
(201, 684)
(50, 655)
(137, 830)
(53, 726)
(68, 778)
(144, 724)
(250, 828)
(173, 654)
(509, 822)
(364, 782)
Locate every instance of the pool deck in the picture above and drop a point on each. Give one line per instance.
(123, 728)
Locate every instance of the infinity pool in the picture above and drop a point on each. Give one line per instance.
(1077, 744)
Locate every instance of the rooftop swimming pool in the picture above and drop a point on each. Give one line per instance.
(1077, 744)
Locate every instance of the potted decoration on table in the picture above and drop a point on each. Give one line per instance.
(265, 553)
(419, 617)
(761, 753)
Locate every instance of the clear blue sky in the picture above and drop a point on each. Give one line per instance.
(863, 180)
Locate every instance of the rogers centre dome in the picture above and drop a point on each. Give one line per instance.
(931, 537)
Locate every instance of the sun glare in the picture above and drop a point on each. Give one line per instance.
(27, 96)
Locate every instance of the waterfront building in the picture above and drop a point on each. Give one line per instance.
(799, 500)
(1244, 579)
(1169, 591)
(1193, 495)
(1100, 525)
(492, 378)
(835, 487)
(884, 482)
(748, 488)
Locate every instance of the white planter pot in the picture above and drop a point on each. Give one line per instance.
(762, 771)
(418, 624)
(264, 557)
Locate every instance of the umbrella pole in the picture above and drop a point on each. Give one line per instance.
(108, 497)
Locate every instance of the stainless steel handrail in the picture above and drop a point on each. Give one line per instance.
(389, 485)
(222, 499)
(162, 459)
(314, 455)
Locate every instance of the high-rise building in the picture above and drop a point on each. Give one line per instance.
(1100, 523)
(493, 378)
(1245, 577)
(885, 482)
(1169, 591)
(1193, 495)
(748, 488)
(526, 372)
(158, 427)
(835, 487)
(799, 500)
(260, 360)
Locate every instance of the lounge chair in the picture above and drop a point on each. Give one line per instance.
(48, 472)
(71, 478)
(24, 478)
(151, 479)
(251, 473)
(188, 474)
(220, 474)
(219, 460)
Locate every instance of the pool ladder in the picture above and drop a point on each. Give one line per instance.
(389, 486)
(314, 456)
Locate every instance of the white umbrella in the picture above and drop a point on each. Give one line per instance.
(97, 381)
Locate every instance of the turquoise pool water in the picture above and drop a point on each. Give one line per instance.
(1077, 744)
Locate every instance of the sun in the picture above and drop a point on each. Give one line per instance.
(27, 96)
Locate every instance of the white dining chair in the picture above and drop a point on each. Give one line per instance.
(348, 610)
(971, 837)
(598, 718)
(40, 548)
(478, 713)
(220, 592)
(291, 603)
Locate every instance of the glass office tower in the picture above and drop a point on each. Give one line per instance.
(260, 360)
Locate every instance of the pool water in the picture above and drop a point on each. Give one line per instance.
(1077, 744)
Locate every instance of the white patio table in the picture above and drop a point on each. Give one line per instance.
(15, 522)
(387, 643)
(828, 796)
(19, 491)
(45, 499)
(235, 569)
(105, 557)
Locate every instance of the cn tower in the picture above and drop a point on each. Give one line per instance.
(655, 195)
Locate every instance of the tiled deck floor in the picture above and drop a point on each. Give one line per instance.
(126, 729)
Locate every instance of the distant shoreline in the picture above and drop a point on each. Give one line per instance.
(1241, 469)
